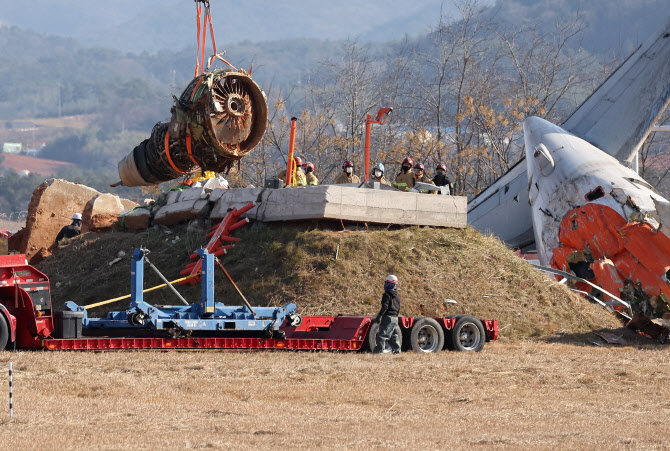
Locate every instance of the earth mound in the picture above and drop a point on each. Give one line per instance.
(335, 272)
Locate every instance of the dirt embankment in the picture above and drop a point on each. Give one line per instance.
(332, 272)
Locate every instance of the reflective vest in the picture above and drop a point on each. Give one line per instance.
(404, 181)
(311, 179)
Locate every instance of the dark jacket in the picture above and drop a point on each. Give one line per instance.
(69, 231)
(390, 303)
(443, 180)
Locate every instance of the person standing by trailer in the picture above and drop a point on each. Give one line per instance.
(388, 317)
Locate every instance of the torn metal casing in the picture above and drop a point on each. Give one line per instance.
(219, 118)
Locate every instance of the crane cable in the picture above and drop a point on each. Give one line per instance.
(200, 49)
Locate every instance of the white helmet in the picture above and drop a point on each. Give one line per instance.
(77, 216)
(391, 278)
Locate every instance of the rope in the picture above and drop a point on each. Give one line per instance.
(109, 301)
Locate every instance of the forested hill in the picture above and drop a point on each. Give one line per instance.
(153, 25)
(611, 28)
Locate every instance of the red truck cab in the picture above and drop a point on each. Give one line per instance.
(25, 302)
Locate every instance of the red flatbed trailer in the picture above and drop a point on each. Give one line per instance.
(27, 322)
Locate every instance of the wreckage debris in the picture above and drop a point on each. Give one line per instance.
(597, 218)
(219, 118)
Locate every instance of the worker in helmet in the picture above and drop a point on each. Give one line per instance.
(71, 230)
(378, 174)
(347, 175)
(310, 178)
(420, 177)
(441, 178)
(404, 181)
(299, 174)
(388, 317)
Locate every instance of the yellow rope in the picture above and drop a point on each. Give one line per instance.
(109, 301)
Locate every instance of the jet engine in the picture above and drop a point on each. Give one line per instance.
(219, 118)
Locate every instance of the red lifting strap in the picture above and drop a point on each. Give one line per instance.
(197, 33)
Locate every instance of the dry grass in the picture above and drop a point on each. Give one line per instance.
(512, 395)
(328, 272)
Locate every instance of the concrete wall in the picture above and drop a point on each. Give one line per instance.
(347, 204)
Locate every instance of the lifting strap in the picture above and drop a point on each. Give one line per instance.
(167, 153)
(197, 34)
(188, 148)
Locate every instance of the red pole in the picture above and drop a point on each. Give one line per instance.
(291, 147)
(368, 126)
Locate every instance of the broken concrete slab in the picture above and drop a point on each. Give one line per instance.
(128, 204)
(51, 207)
(346, 203)
(182, 211)
(135, 219)
(216, 194)
(237, 198)
(172, 197)
(193, 193)
(101, 213)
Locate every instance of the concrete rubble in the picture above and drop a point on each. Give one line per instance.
(51, 208)
(101, 212)
(54, 202)
(334, 202)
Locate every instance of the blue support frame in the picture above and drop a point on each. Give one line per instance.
(207, 315)
(137, 278)
(207, 302)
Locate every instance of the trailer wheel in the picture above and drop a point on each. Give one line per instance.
(371, 338)
(468, 334)
(4, 332)
(426, 336)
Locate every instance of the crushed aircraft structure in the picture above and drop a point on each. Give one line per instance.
(616, 118)
(597, 218)
(219, 118)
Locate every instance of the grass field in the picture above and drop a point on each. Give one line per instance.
(512, 395)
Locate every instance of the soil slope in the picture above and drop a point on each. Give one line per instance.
(331, 272)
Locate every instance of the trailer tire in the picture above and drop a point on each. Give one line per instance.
(448, 340)
(468, 334)
(426, 336)
(371, 337)
(4, 332)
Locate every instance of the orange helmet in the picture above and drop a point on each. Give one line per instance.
(347, 164)
(298, 161)
(407, 160)
(309, 167)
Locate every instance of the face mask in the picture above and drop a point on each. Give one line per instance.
(388, 286)
(378, 174)
(349, 169)
(405, 168)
